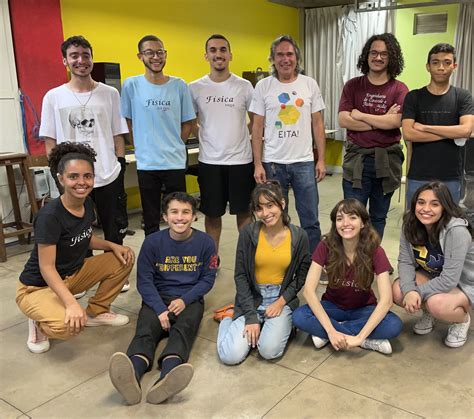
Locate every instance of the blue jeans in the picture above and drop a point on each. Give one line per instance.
(371, 192)
(349, 322)
(302, 178)
(232, 345)
(454, 187)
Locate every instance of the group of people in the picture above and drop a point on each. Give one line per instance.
(84, 122)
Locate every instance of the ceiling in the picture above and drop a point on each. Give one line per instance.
(312, 3)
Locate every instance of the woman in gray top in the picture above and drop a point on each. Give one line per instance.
(436, 263)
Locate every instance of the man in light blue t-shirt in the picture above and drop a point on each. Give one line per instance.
(159, 112)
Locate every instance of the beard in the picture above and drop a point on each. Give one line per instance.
(150, 67)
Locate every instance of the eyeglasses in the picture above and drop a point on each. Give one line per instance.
(373, 53)
(149, 53)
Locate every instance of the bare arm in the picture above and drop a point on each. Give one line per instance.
(123, 253)
(49, 144)
(195, 127)
(186, 128)
(119, 144)
(130, 130)
(347, 121)
(463, 130)
(390, 120)
(410, 133)
(250, 124)
(257, 143)
(320, 140)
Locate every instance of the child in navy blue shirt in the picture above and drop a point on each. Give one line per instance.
(175, 269)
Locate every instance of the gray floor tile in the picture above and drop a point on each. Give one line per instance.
(317, 399)
(7, 411)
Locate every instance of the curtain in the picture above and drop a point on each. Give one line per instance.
(465, 47)
(334, 38)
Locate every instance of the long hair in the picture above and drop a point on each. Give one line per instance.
(272, 192)
(338, 263)
(395, 55)
(415, 232)
(67, 151)
(271, 57)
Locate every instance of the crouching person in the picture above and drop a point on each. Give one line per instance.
(58, 267)
(176, 268)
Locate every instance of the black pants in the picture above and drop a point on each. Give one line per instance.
(181, 335)
(111, 204)
(150, 183)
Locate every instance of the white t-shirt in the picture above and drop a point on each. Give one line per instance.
(92, 119)
(222, 110)
(287, 108)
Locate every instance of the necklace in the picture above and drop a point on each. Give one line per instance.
(83, 105)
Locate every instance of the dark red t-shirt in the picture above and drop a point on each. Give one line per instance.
(349, 295)
(359, 93)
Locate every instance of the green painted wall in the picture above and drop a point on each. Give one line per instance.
(415, 47)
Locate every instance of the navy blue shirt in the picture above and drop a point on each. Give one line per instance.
(175, 269)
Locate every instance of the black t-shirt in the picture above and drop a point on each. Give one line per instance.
(437, 160)
(54, 224)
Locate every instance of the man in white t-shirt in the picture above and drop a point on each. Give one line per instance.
(87, 111)
(288, 105)
(221, 101)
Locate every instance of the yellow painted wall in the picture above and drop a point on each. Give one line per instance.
(114, 28)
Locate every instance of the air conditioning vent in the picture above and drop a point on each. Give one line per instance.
(430, 23)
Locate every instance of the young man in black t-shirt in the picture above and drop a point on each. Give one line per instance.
(436, 121)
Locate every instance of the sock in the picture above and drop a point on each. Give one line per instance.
(168, 364)
(140, 364)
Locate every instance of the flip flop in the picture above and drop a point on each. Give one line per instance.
(222, 313)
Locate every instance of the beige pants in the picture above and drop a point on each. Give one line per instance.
(44, 306)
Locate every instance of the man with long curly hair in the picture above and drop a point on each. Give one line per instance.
(370, 109)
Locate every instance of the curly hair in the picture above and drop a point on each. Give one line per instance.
(395, 55)
(415, 232)
(272, 192)
(338, 263)
(67, 151)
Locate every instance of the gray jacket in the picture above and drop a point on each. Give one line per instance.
(248, 296)
(458, 268)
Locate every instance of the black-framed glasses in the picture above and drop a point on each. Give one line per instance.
(149, 53)
(373, 53)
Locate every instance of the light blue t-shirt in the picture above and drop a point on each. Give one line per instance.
(157, 112)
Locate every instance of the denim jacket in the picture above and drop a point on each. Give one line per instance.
(248, 297)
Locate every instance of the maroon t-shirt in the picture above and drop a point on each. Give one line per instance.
(349, 295)
(359, 93)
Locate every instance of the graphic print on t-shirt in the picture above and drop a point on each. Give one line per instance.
(289, 114)
(179, 264)
(158, 104)
(376, 101)
(83, 124)
(429, 258)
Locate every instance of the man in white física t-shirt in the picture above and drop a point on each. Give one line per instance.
(221, 101)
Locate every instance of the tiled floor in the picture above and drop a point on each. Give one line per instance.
(422, 378)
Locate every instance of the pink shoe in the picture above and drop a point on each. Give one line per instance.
(107, 319)
(37, 341)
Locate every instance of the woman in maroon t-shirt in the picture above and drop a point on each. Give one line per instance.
(348, 314)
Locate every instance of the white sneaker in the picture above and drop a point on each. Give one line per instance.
(125, 287)
(319, 342)
(79, 295)
(37, 341)
(425, 324)
(379, 345)
(457, 333)
(107, 319)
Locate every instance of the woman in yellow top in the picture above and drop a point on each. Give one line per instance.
(270, 268)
